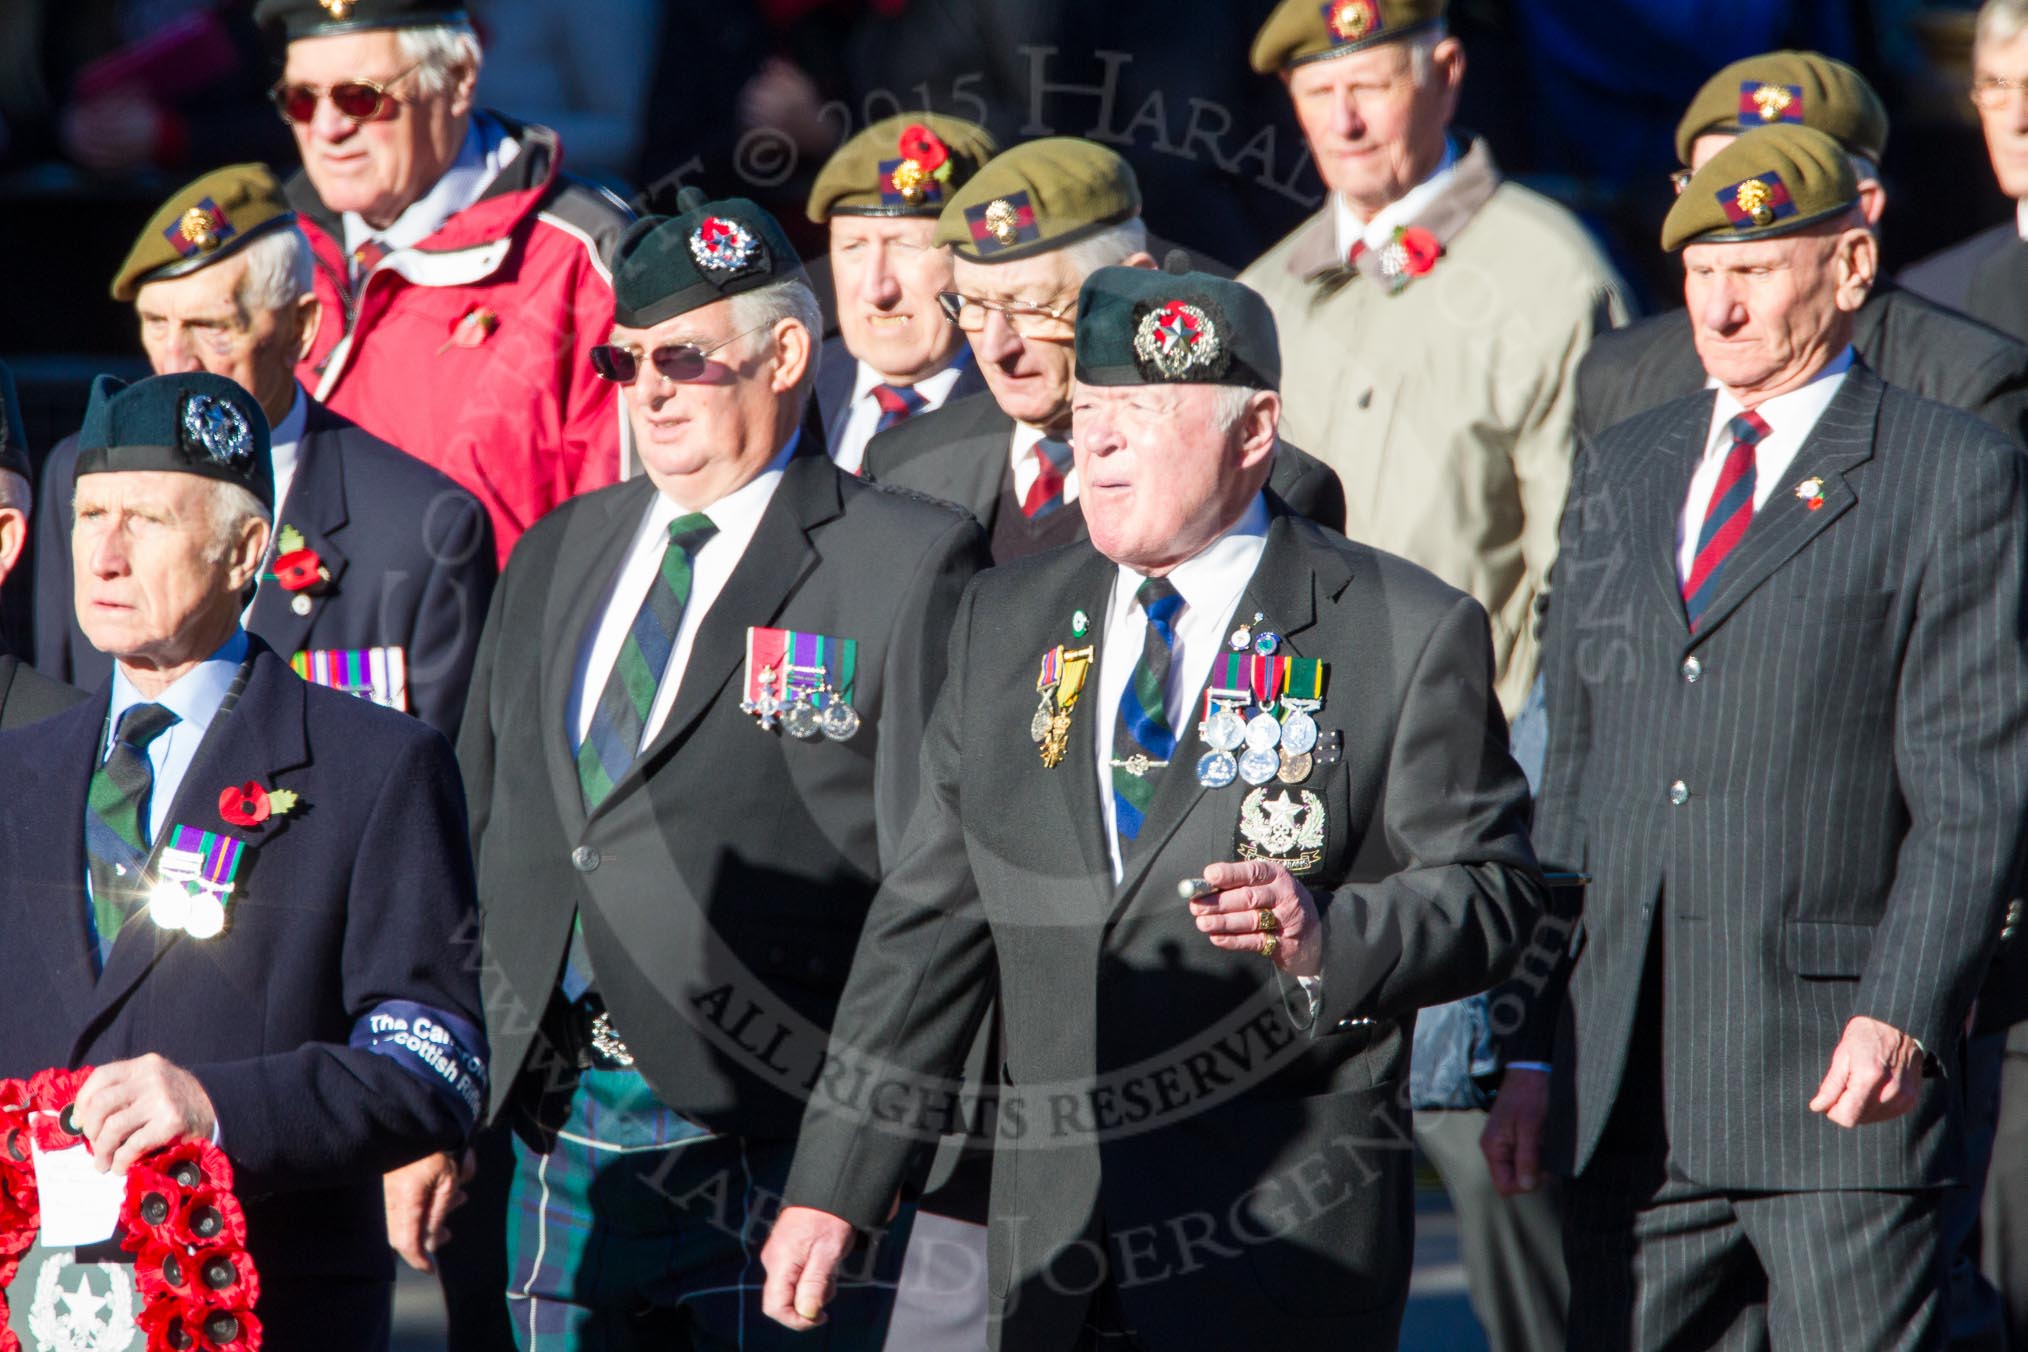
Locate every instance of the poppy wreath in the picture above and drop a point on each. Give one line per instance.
(180, 1220)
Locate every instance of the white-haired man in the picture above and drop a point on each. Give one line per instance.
(466, 267)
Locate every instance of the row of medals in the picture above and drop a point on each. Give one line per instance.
(802, 717)
(1260, 749)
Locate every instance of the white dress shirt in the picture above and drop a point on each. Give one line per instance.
(288, 433)
(1027, 470)
(486, 150)
(1789, 419)
(1210, 583)
(850, 452)
(1379, 232)
(737, 516)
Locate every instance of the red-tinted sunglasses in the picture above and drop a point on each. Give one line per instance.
(355, 100)
(677, 361)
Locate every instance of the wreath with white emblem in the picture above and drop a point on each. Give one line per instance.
(66, 1330)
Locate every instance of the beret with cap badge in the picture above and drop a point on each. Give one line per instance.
(664, 266)
(1768, 183)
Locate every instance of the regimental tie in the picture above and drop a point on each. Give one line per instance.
(1726, 519)
(1052, 472)
(1143, 741)
(898, 403)
(116, 816)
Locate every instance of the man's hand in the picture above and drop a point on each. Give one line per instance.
(1232, 917)
(801, 1257)
(128, 1108)
(419, 1197)
(1875, 1075)
(1512, 1140)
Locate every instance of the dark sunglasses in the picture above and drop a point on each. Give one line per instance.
(355, 100)
(679, 362)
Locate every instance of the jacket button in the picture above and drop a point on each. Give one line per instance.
(584, 859)
(1692, 670)
(2014, 911)
(1679, 793)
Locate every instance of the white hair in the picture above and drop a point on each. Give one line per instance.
(15, 493)
(1422, 52)
(438, 51)
(230, 507)
(279, 272)
(1231, 405)
(785, 298)
(1108, 248)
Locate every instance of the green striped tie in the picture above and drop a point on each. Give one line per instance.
(116, 806)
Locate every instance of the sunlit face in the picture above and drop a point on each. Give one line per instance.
(148, 590)
(1159, 476)
(1029, 376)
(381, 167)
(2006, 123)
(1767, 314)
(1373, 132)
(196, 323)
(886, 274)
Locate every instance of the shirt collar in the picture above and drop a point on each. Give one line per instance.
(1401, 211)
(195, 697)
(2021, 218)
(288, 432)
(486, 150)
(1787, 415)
(1211, 578)
(935, 389)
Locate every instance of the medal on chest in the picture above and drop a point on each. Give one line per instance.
(802, 683)
(1059, 683)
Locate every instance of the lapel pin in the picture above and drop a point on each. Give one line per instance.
(1080, 624)
(1810, 492)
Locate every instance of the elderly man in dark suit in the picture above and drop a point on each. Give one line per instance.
(1201, 1141)
(382, 569)
(26, 695)
(1908, 341)
(1789, 743)
(692, 745)
(237, 895)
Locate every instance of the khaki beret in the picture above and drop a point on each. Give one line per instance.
(1770, 182)
(201, 223)
(901, 166)
(1041, 195)
(1301, 31)
(1801, 88)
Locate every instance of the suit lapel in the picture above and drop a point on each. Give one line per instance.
(1659, 490)
(316, 507)
(65, 748)
(1842, 438)
(1076, 776)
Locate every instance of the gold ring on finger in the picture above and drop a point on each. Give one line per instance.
(1269, 945)
(1266, 922)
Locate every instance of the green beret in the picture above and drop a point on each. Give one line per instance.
(1802, 88)
(1770, 182)
(202, 222)
(320, 18)
(1137, 326)
(13, 436)
(1041, 195)
(664, 266)
(901, 166)
(194, 423)
(1302, 31)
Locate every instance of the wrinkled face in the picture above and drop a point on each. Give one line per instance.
(1159, 477)
(1029, 376)
(1765, 314)
(147, 590)
(1372, 131)
(381, 167)
(690, 428)
(2006, 123)
(196, 323)
(887, 274)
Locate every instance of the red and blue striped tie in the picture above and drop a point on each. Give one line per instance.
(1726, 519)
(898, 403)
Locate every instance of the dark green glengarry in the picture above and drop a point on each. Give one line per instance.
(664, 266)
(1801, 88)
(319, 18)
(1770, 182)
(1041, 195)
(205, 220)
(196, 423)
(1301, 31)
(888, 170)
(13, 436)
(1136, 326)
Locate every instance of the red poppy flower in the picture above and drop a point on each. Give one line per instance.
(924, 146)
(225, 1330)
(13, 1096)
(244, 804)
(164, 1274)
(477, 325)
(153, 1199)
(162, 1321)
(224, 1279)
(54, 1089)
(8, 1342)
(299, 570)
(208, 1219)
(1419, 250)
(194, 1164)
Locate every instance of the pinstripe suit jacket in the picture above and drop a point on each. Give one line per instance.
(1817, 800)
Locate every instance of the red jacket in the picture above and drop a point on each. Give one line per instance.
(470, 351)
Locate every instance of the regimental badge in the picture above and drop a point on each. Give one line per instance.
(1282, 829)
(1059, 682)
(1351, 20)
(1002, 223)
(918, 177)
(79, 1306)
(1810, 492)
(217, 428)
(1177, 342)
(376, 674)
(1759, 201)
(723, 247)
(194, 881)
(337, 9)
(200, 230)
(1770, 102)
(803, 683)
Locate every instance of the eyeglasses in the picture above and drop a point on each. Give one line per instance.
(1030, 321)
(679, 362)
(1679, 179)
(1993, 92)
(355, 100)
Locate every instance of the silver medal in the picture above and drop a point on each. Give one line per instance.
(1216, 769)
(800, 720)
(1299, 732)
(1263, 733)
(1259, 765)
(839, 720)
(1224, 731)
(1038, 726)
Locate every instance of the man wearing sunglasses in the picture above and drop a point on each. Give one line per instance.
(459, 270)
(691, 748)
(1909, 341)
(1026, 232)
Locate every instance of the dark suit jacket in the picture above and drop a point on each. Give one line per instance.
(410, 555)
(361, 895)
(28, 696)
(1118, 1015)
(732, 866)
(1815, 802)
(1986, 276)
(1912, 343)
(839, 369)
(959, 453)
